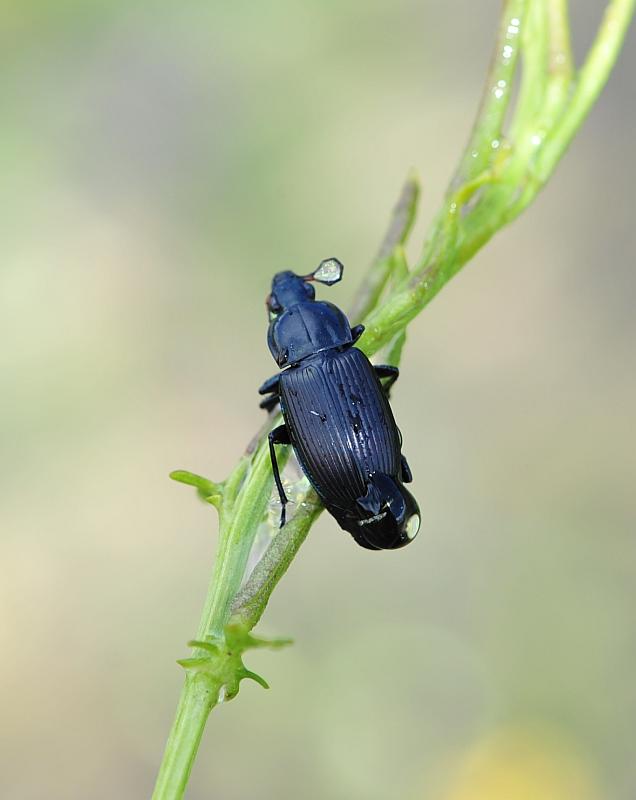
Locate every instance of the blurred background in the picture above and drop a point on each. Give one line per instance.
(159, 162)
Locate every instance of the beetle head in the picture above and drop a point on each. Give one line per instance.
(288, 289)
(389, 515)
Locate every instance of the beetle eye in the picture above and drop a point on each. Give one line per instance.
(273, 306)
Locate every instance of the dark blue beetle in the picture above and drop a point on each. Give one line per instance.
(337, 414)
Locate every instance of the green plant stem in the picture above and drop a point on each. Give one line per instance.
(196, 702)
(502, 169)
(251, 600)
(255, 484)
(486, 133)
(397, 233)
(591, 79)
(245, 498)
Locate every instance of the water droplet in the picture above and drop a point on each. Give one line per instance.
(413, 526)
(329, 271)
(495, 144)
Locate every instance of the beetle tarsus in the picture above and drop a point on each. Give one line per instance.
(407, 475)
(270, 387)
(387, 371)
(269, 403)
(279, 435)
(356, 332)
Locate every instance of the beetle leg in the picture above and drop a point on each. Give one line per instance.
(279, 435)
(269, 387)
(269, 403)
(387, 371)
(407, 475)
(356, 332)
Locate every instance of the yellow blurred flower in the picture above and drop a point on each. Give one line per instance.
(522, 765)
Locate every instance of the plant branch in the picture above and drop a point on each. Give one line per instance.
(397, 233)
(487, 130)
(500, 172)
(591, 79)
(250, 601)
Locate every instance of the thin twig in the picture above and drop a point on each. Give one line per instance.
(486, 134)
(397, 233)
(592, 78)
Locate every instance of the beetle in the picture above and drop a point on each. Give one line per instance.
(336, 413)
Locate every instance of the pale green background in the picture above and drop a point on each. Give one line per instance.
(158, 162)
